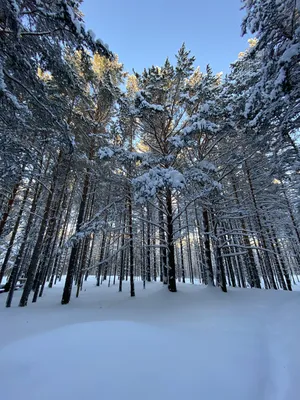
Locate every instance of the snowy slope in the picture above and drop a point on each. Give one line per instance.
(197, 343)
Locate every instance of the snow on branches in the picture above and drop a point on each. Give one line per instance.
(150, 183)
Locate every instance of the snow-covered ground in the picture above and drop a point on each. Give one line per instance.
(195, 344)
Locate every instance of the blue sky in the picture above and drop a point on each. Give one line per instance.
(145, 32)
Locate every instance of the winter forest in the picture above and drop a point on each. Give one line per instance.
(175, 175)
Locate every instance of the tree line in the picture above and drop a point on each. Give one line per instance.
(172, 174)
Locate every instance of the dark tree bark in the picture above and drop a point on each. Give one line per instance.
(181, 252)
(163, 249)
(17, 265)
(262, 237)
(148, 250)
(207, 233)
(189, 248)
(72, 262)
(9, 205)
(170, 243)
(122, 260)
(252, 268)
(14, 232)
(201, 249)
(38, 245)
(131, 250)
(62, 238)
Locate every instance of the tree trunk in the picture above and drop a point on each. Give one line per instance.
(170, 243)
(131, 253)
(148, 251)
(181, 251)
(122, 256)
(163, 250)
(14, 232)
(209, 266)
(38, 246)
(72, 262)
(9, 206)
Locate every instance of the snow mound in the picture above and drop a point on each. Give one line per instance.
(112, 360)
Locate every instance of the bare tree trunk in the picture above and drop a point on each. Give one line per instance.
(9, 205)
(14, 232)
(16, 268)
(122, 261)
(262, 237)
(201, 250)
(62, 237)
(131, 252)
(181, 251)
(291, 213)
(207, 233)
(252, 269)
(189, 248)
(148, 250)
(72, 262)
(170, 243)
(38, 245)
(163, 250)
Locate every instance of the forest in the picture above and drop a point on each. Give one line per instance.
(177, 174)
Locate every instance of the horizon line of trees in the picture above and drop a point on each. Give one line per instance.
(182, 176)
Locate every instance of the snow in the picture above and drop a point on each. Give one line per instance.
(207, 165)
(78, 25)
(147, 185)
(204, 108)
(105, 152)
(92, 35)
(100, 41)
(2, 82)
(144, 103)
(73, 141)
(15, 6)
(177, 141)
(196, 343)
(290, 52)
(201, 125)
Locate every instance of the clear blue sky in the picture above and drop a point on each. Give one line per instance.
(145, 32)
